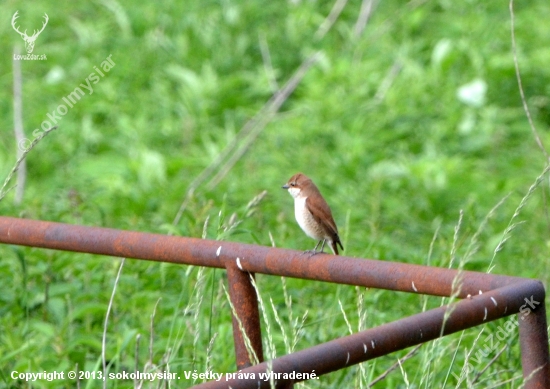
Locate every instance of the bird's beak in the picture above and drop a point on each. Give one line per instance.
(285, 186)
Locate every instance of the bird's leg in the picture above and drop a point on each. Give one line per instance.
(314, 251)
(317, 245)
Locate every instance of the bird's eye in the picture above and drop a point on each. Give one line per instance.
(292, 184)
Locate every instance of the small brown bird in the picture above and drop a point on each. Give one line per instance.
(313, 213)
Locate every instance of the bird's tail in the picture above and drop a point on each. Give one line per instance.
(334, 245)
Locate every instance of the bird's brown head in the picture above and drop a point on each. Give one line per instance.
(297, 184)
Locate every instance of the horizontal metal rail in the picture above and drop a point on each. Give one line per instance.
(487, 296)
(251, 258)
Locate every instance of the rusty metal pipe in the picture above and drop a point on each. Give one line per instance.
(338, 269)
(254, 259)
(398, 335)
(245, 303)
(534, 344)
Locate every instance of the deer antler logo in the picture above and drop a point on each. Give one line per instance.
(29, 40)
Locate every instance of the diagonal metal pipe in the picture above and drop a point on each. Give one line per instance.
(398, 335)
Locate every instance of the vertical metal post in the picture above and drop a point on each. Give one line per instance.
(245, 303)
(533, 339)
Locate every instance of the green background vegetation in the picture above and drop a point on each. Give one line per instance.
(413, 130)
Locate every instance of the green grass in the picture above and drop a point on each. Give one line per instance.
(376, 122)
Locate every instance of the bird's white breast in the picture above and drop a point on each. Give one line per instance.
(305, 219)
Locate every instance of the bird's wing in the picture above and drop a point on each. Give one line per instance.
(321, 213)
